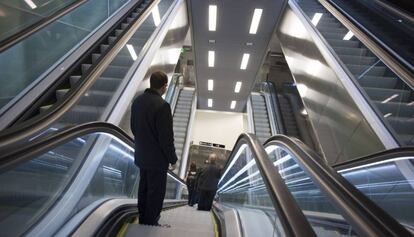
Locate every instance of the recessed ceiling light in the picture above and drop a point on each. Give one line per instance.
(212, 41)
(348, 35)
(316, 18)
(132, 52)
(245, 61)
(211, 56)
(233, 104)
(212, 17)
(237, 87)
(210, 103)
(249, 44)
(156, 15)
(255, 20)
(210, 84)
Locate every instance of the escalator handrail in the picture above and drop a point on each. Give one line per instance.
(11, 157)
(292, 218)
(376, 157)
(403, 69)
(364, 215)
(35, 27)
(25, 130)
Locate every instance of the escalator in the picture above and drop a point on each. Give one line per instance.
(82, 181)
(354, 91)
(181, 121)
(107, 78)
(261, 121)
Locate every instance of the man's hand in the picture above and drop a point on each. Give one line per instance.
(172, 167)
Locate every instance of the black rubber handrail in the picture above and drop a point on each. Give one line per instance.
(12, 157)
(376, 157)
(33, 28)
(364, 215)
(291, 216)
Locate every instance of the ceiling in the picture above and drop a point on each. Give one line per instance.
(231, 37)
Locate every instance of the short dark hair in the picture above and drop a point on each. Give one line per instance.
(158, 80)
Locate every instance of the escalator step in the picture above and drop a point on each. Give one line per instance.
(61, 93)
(381, 94)
(378, 82)
(74, 79)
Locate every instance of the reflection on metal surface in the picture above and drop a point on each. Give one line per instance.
(348, 35)
(156, 15)
(293, 27)
(316, 18)
(338, 122)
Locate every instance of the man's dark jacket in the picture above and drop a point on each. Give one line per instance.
(152, 126)
(209, 178)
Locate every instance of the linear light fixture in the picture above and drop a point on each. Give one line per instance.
(237, 87)
(210, 103)
(389, 99)
(31, 4)
(348, 35)
(316, 18)
(245, 61)
(210, 84)
(156, 15)
(212, 17)
(211, 55)
(257, 14)
(132, 52)
(411, 103)
(387, 115)
(233, 104)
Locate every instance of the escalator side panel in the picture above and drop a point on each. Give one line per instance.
(342, 129)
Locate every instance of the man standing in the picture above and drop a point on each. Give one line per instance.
(152, 126)
(207, 183)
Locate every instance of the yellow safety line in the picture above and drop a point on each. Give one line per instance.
(216, 231)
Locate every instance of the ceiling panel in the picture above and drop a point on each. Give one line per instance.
(231, 38)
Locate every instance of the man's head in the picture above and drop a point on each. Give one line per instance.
(212, 158)
(158, 82)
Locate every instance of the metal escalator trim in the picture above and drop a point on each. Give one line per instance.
(363, 214)
(33, 28)
(398, 65)
(115, 109)
(12, 156)
(30, 127)
(292, 218)
(357, 94)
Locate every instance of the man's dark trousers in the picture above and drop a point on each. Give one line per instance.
(206, 199)
(151, 192)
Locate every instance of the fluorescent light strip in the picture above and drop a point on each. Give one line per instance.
(376, 163)
(255, 20)
(210, 84)
(240, 172)
(245, 61)
(31, 4)
(387, 115)
(411, 103)
(132, 52)
(241, 149)
(237, 87)
(211, 55)
(348, 35)
(156, 15)
(389, 99)
(316, 18)
(233, 104)
(212, 17)
(210, 103)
